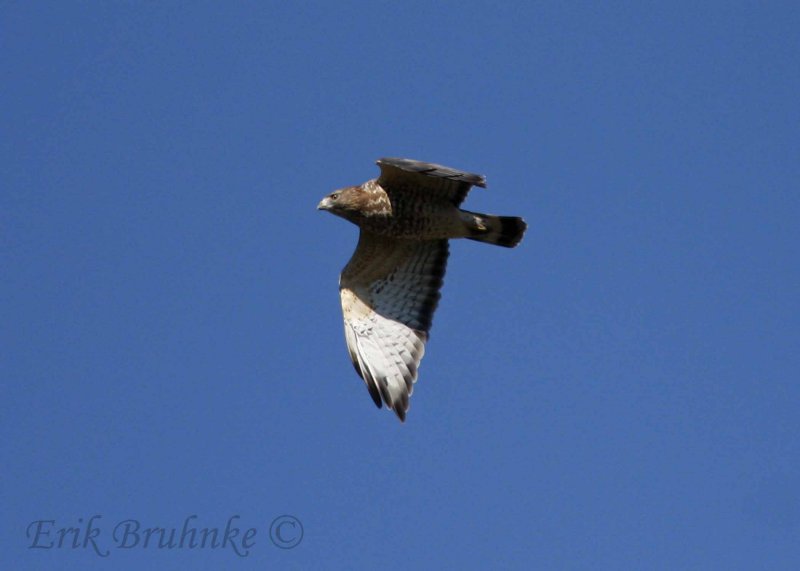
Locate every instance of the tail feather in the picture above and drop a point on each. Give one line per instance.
(504, 231)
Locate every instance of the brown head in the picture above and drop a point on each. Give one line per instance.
(352, 203)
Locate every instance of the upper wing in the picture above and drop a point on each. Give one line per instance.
(453, 184)
(389, 291)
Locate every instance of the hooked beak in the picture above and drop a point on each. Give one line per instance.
(324, 204)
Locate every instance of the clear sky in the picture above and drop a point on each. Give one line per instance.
(619, 392)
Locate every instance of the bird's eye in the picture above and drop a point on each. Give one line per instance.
(334, 196)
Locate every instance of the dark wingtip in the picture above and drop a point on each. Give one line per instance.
(376, 396)
(370, 382)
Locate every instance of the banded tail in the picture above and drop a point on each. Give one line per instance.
(506, 231)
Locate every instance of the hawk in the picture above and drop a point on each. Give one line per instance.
(390, 287)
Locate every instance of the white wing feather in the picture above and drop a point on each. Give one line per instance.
(389, 291)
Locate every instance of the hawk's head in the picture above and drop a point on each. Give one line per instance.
(351, 203)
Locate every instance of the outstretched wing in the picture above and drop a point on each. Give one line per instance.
(389, 291)
(451, 184)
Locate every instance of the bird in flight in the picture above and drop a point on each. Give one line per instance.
(390, 287)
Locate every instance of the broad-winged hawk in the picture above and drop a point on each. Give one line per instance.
(390, 287)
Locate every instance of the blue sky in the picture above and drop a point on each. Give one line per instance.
(619, 392)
